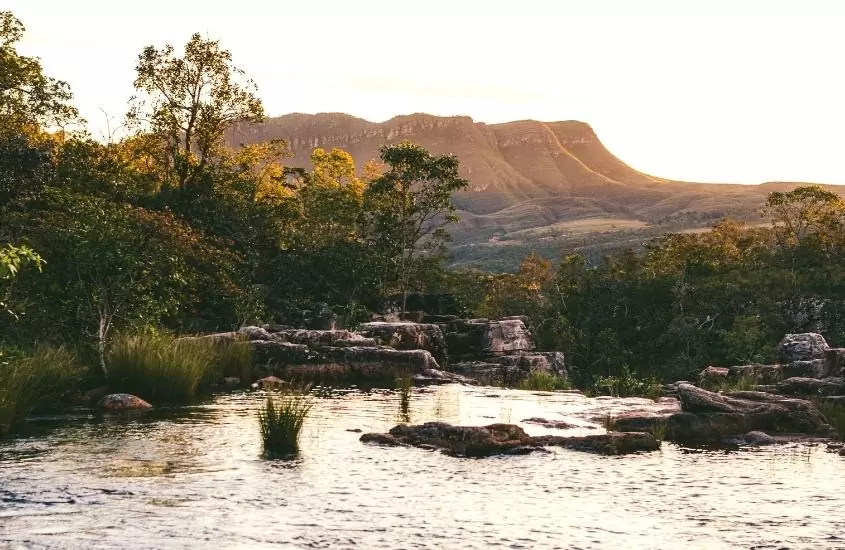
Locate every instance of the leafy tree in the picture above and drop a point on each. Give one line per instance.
(12, 260)
(188, 102)
(27, 96)
(806, 212)
(410, 206)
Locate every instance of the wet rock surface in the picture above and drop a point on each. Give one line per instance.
(122, 402)
(497, 439)
(710, 417)
(409, 336)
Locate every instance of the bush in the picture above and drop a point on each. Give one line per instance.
(544, 381)
(38, 382)
(281, 422)
(626, 385)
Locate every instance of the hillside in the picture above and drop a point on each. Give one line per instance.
(537, 186)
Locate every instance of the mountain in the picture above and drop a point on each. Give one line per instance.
(534, 186)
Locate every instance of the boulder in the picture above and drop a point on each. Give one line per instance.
(478, 338)
(802, 347)
(496, 439)
(713, 377)
(434, 376)
(709, 417)
(122, 402)
(409, 336)
(553, 424)
(231, 382)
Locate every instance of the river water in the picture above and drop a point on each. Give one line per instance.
(193, 477)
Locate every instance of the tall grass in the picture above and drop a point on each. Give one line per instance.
(834, 413)
(281, 420)
(539, 380)
(166, 369)
(37, 382)
(403, 386)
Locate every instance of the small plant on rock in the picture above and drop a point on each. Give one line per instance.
(540, 380)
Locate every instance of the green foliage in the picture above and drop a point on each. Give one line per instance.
(539, 380)
(834, 413)
(37, 382)
(626, 385)
(190, 101)
(409, 207)
(281, 420)
(160, 368)
(27, 96)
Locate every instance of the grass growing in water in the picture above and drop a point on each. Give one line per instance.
(281, 421)
(540, 380)
(166, 369)
(40, 381)
(834, 413)
(403, 386)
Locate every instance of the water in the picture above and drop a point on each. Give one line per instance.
(194, 478)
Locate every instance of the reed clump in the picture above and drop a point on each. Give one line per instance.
(40, 381)
(281, 419)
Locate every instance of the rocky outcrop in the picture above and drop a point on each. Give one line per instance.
(122, 402)
(409, 336)
(510, 369)
(708, 417)
(809, 386)
(764, 374)
(475, 338)
(802, 347)
(497, 439)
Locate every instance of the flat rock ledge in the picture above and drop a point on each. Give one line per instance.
(505, 439)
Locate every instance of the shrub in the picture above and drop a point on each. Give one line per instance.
(281, 422)
(38, 382)
(544, 381)
(626, 385)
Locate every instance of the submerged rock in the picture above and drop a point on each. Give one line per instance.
(710, 417)
(269, 383)
(553, 424)
(122, 402)
(497, 439)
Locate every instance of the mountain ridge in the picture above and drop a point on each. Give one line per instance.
(527, 177)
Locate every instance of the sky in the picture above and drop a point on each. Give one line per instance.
(741, 91)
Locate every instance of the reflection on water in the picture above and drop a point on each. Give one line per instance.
(193, 478)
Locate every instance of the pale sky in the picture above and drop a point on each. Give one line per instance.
(715, 90)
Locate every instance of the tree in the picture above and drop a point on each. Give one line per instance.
(190, 101)
(12, 260)
(806, 212)
(27, 96)
(410, 205)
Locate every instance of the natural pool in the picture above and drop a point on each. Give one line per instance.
(193, 477)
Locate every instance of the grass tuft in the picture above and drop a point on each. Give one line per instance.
(37, 382)
(167, 369)
(539, 380)
(403, 386)
(281, 420)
